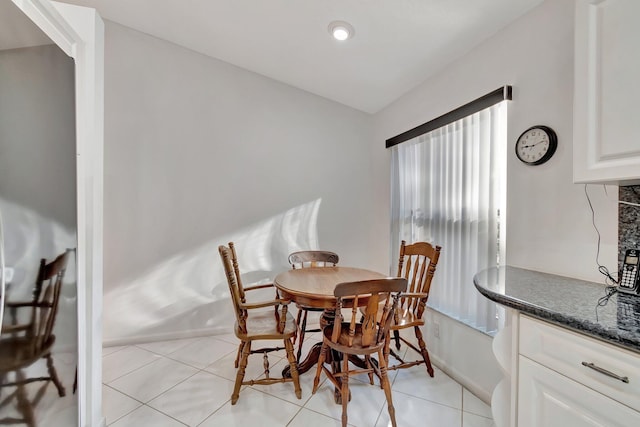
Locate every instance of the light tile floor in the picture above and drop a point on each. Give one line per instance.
(189, 382)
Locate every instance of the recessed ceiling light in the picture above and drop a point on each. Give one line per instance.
(341, 30)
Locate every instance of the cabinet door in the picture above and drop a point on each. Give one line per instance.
(606, 134)
(548, 399)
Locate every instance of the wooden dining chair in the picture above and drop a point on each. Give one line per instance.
(417, 263)
(362, 339)
(23, 344)
(253, 323)
(304, 259)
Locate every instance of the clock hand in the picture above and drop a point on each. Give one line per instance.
(533, 145)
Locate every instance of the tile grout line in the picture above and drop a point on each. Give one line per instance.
(300, 405)
(473, 413)
(130, 397)
(136, 369)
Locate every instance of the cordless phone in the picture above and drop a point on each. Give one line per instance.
(629, 276)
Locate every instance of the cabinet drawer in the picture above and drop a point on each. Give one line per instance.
(565, 351)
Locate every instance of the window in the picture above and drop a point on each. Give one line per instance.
(448, 188)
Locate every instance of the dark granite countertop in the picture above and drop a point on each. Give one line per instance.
(567, 302)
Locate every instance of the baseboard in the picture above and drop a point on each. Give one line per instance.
(165, 336)
(462, 379)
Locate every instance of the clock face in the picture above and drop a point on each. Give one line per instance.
(536, 145)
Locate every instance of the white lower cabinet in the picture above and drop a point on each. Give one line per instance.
(567, 379)
(547, 399)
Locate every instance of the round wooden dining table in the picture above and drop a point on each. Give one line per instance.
(313, 288)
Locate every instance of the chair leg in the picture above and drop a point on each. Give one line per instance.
(240, 347)
(303, 328)
(75, 381)
(367, 360)
(396, 337)
(423, 350)
(298, 317)
(321, 359)
(344, 393)
(6, 400)
(386, 386)
(54, 375)
(386, 349)
(246, 350)
(24, 406)
(293, 368)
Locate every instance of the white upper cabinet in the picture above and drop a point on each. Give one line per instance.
(606, 122)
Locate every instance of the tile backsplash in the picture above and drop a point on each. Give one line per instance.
(628, 220)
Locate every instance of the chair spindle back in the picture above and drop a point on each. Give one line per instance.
(373, 333)
(304, 259)
(46, 295)
(417, 264)
(230, 263)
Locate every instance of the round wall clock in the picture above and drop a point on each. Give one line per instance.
(536, 145)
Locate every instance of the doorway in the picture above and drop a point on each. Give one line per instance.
(38, 212)
(79, 33)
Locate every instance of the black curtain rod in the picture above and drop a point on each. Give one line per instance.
(492, 98)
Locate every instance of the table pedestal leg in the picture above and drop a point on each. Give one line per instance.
(334, 357)
(309, 361)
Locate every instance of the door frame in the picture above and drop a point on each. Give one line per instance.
(79, 32)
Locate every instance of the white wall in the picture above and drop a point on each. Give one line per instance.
(38, 171)
(37, 129)
(199, 152)
(548, 219)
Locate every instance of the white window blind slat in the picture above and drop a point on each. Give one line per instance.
(447, 189)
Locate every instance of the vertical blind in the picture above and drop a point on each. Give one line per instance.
(448, 188)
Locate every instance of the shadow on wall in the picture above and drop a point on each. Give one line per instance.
(188, 295)
(29, 237)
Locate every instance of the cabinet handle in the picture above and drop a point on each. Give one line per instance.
(604, 371)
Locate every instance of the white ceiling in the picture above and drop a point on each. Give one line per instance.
(397, 45)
